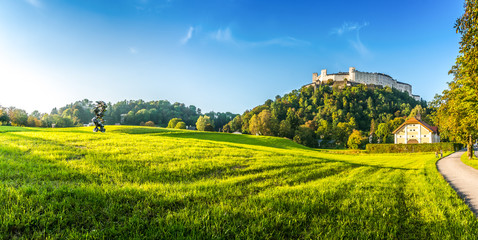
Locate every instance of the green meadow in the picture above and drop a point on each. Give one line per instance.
(470, 162)
(155, 183)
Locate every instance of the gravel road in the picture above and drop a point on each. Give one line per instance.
(463, 178)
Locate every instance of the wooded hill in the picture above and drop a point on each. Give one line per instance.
(330, 114)
(127, 112)
(139, 112)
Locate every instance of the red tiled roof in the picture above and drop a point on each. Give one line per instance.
(416, 121)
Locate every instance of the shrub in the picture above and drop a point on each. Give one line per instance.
(202, 123)
(423, 147)
(149, 124)
(209, 128)
(226, 128)
(180, 125)
(355, 139)
(172, 123)
(305, 136)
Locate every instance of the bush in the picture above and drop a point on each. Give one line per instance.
(180, 125)
(203, 121)
(149, 124)
(403, 148)
(172, 123)
(355, 139)
(305, 136)
(209, 128)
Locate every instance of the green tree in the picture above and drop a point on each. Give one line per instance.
(202, 122)
(180, 125)
(209, 127)
(255, 125)
(305, 136)
(417, 112)
(4, 119)
(342, 132)
(383, 131)
(395, 123)
(268, 125)
(373, 126)
(172, 123)
(355, 139)
(236, 123)
(286, 130)
(18, 117)
(324, 129)
(458, 106)
(226, 128)
(33, 122)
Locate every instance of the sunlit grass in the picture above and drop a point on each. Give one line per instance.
(140, 182)
(470, 162)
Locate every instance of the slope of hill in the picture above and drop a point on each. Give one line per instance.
(328, 113)
(151, 183)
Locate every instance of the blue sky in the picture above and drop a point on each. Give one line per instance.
(221, 55)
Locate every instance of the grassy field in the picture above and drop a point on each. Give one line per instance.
(152, 183)
(470, 162)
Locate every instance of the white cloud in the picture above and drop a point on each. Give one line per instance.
(35, 3)
(355, 41)
(223, 35)
(188, 36)
(359, 47)
(283, 41)
(349, 27)
(133, 50)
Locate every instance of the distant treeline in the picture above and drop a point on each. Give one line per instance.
(132, 112)
(332, 116)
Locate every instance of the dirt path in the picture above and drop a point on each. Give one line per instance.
(463, 178)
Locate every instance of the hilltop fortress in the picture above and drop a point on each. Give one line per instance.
(354, 77)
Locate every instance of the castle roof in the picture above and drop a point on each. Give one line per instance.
(404, 83)
(339, 73)
(383, 74)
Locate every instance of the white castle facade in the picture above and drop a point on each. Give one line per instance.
(367, 78)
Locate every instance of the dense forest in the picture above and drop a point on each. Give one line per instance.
(329, 116)
(132, 112)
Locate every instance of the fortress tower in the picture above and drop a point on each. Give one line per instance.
(352, 74)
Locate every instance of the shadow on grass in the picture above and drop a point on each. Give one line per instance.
(265, 141)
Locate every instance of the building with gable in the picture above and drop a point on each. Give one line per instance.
(415, 131)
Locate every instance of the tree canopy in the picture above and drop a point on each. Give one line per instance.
(457, 107)
(330, 113)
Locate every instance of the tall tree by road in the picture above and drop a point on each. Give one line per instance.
(458, 106)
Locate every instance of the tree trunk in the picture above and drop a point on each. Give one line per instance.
(470, 147)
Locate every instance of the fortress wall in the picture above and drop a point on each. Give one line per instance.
(338, 77)
(364, 78)
(334, 77)
(404, 88)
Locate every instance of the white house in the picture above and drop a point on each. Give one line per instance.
(416, 131)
